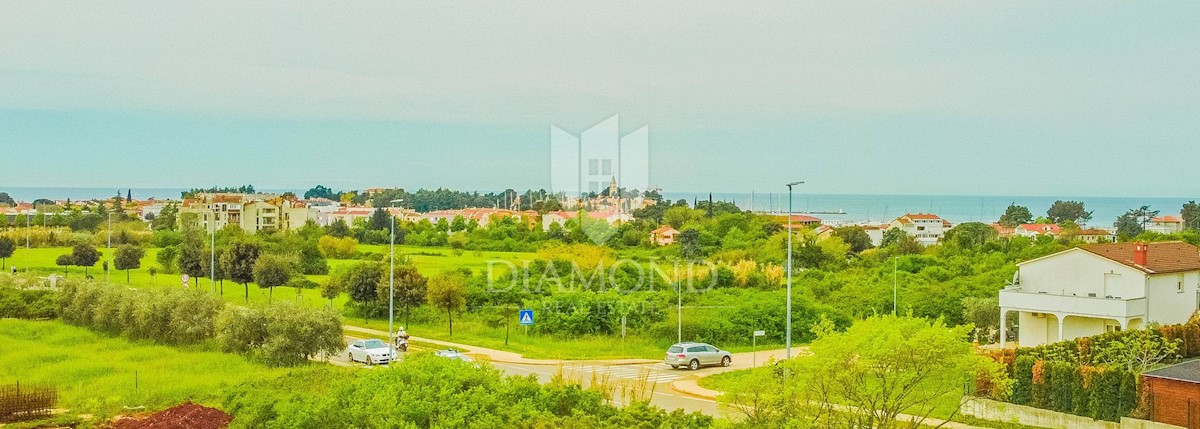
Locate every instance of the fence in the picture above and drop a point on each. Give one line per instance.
(19, 402)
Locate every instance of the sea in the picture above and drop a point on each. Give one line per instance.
(832, 208)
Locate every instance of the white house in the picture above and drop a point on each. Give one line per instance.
(927, 228)
(1165, 224)
(1096, 288)
(561, 217)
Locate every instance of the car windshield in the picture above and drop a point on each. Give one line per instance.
(374, 344)
(675, 349)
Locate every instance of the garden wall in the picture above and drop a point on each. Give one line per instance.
(987, 409)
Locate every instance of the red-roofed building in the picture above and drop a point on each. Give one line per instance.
(1165, 224)
(1097, 288)
(798, 221)
(1032, 230)
(663, 235)
(1095, 235)
(561, 217)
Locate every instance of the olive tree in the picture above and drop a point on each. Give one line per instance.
(448, 292)
(271, 271)
(128, 257)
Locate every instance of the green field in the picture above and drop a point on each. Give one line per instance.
(429, 261)
(102, 375)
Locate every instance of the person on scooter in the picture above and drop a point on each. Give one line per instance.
(402, 339)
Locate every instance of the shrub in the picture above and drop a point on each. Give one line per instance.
(280, 335)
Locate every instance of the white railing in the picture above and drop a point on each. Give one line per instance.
(1014, 298)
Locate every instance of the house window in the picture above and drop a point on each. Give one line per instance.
(1179, 287)
(593, 166)
(920, 228)
(1108, 327)
(607, 167)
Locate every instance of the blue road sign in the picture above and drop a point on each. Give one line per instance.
(526, 317)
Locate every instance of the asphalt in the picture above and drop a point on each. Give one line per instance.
(668, 388)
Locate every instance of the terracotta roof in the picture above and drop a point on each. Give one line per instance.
(663, 229)
(1163, 257)
(1167, 219)
(1093, 231)
(922, 216)
(1040, 227)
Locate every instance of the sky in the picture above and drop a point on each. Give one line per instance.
(956, 98)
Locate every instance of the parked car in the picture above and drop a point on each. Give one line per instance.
(696, 355)
(454, 354)
(371, 352)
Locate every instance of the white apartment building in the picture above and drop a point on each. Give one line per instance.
(1097, 288)
(927, 228)
(1165, 224)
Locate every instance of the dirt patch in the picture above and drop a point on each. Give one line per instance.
(184, 416)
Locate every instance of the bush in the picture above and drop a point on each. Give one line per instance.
(280, 335)
(164, 316)
(338, 248)
(28, 303)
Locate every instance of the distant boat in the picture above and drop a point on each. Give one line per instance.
(825, 212)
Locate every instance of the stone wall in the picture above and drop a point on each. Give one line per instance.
(987, 409)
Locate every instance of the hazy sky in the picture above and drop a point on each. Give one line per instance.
(961, 97)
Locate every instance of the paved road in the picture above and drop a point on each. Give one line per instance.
(655, 378)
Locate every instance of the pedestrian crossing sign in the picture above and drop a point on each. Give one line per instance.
(526, 317)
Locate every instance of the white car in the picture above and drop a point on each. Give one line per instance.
(371, 352)
(454, 354)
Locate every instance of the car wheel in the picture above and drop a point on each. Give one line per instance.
(674, 366)
(694, 365)
(725, 361)
(370, 360)
(351, 357)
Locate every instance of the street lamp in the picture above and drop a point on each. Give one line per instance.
(212, 256)
(895, 265)
(788, 340)
(109, 268)
(392, 270)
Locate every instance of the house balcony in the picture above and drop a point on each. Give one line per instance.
(1013, 298)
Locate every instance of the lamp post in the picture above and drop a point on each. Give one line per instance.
(109, 268)
(788, 340)
(392, 270)
(212, 256)
(895, 264)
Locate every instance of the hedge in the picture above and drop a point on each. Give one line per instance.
(1064, 376)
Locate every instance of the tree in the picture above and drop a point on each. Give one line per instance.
(984, 314)
(166, 219)
(128, 257)
(879, 368)
(338, 229)
(448, 292)
(379, 220)
(320, 191)
(3, 221)
(410, 288)
(689, 244)
(331, 289)
(855, 236)
(84, 255)
(1191, 216)
(1137, 351)
(192, 253)
(64, 261)
(271, 271)
(7, 247)
(1134, 221)
(361, 283)
(238, 263)
(971, 235)
(1015, 215)
(5, 199)
(1062, 211)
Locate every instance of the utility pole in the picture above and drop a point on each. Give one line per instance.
(109, 268)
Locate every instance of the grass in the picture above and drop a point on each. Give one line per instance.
(428, 260)
(102, 375)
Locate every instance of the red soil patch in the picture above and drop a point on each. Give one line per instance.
(184, 416)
